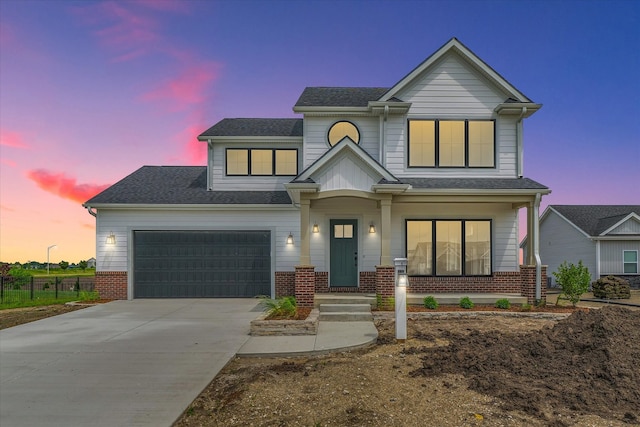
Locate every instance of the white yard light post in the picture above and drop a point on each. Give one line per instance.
(49, 249)
(401, 298)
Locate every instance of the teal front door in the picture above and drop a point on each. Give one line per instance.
(344, 253)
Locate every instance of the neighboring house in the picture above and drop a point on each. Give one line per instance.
(429, 169)
(606, 238)
(91, 263)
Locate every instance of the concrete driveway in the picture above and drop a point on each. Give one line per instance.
(125, 363)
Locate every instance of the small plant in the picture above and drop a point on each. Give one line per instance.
(503, 303)
(525, 307)
(280, 307)
(573, 279)
(430, 302)
(466, 303)
(385, 304)
(89, 296)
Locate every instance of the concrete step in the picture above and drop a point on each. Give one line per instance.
(369, 299)
(352, 308)
(345, 316)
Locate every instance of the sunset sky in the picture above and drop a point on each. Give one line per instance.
(92, 90)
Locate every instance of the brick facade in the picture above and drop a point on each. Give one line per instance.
(285, 283)
(528, 281)
(305, 285)
(385, 281)
(501, 281)
(111, 284)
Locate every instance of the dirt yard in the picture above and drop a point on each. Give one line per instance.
(18, 316)
(489, 371)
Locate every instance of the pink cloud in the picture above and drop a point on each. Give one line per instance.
(8, 162)
(64, 186)
(12, 139)
(187, 89)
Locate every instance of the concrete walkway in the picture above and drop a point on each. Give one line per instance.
(125, 363)
(331, 337)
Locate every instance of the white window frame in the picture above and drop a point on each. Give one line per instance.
(624, 263)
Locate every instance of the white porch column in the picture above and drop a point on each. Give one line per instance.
(530, 260)
(305, 247)
(385, 232)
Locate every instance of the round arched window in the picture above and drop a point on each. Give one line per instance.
(340, 130)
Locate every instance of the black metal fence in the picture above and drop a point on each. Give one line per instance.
(15, 290)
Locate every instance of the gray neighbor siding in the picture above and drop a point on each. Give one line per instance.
(611, 253)
(560, 241)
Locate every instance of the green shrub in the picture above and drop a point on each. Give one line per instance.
(525, 307)
(503, 303)
(280, 307)
(466, 303)
(430, 302)
(573, 279)
(385, 304)
(20, 277)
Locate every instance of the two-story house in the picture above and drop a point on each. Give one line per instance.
(430, 169)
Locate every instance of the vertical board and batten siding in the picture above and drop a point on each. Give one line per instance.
(365, 211)
(630, 226)
(504, 248)
(611, 253)
(222, 182)
(561, 241)
(317, 128)
(122, 223)
(345, 173)
(452, 90)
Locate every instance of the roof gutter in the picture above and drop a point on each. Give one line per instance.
(92, 213)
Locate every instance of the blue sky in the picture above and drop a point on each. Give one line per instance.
(92, 90)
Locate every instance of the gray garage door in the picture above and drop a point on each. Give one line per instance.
(196, 264)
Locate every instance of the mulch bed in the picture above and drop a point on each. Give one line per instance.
(301, 314)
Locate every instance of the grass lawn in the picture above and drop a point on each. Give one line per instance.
(22, 298)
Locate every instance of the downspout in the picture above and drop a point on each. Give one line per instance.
(91, 212)
(383, 140)
(519, 143)
(536, 245)
(209, 165)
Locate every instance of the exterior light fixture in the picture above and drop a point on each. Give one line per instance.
(111, 239)
(49, 249)
(290, 239)
(372, 228)
(315, 229)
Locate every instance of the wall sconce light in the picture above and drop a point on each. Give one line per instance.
(315, 229)
(372, 228)
(290, 239)
(111, 239)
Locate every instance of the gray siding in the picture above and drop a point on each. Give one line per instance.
(630, 226)
(560, 241)
(611, 255)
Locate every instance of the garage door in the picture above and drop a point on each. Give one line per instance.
(196, 264)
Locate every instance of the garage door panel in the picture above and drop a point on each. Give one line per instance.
(192, 264)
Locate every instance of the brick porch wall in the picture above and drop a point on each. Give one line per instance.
(501, 281)
(305, 284)
(385, 281)
(111, 284)
(285, 283)
(528, 289)
(367, 284)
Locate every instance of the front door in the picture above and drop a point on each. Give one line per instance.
(344, 252)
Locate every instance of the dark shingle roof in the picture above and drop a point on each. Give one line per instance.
(339, 96)
(178, 185)
(475, 183)
(595, 219)
(255, 127)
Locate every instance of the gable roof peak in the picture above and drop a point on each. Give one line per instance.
(455, 45)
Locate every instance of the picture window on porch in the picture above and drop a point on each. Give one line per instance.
(261, 162)
(630, 262)
(461, 248)
(343, 231)
(451, 143)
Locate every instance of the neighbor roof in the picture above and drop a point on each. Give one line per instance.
(339, 96)
(178, 185)
(595, 219)
(254, 127)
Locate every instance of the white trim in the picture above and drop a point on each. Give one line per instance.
(619, 223)
(191, 207)
(478, 64)
(598, 263)
(221, 139)
(623, 262)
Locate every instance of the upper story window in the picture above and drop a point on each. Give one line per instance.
(262, 162)
(630, 262)
(452, 143)
(340, 130)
